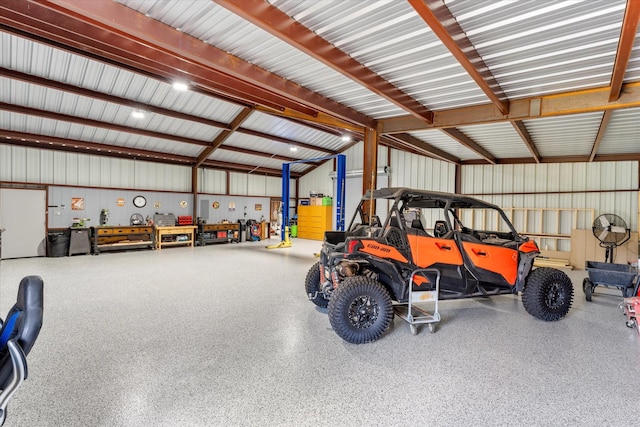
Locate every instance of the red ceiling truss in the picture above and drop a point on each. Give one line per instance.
(113, 33)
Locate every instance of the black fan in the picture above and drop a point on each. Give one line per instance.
(611, 231)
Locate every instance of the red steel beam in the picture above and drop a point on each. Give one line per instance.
(60, 31)
(64, 87)
(463, 139)
(625, 45)
(99, 124)
(519, 126)
(149, 108)
(140, 33)
(45, 142)
(446, 38)
(601, 130)
(281, 25)
(222, 137)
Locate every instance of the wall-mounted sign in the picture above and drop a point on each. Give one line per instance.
(77, 203)
(157, 205)
(232, 206)
(258, 206)
(120, 202)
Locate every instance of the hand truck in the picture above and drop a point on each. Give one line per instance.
(415, 315)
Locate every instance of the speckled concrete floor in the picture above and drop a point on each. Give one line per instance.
(223, 335)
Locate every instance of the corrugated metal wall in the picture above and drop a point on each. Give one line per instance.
(414, 171)
(319, 180)
(20, 164)
(605, 187)
(30, 165)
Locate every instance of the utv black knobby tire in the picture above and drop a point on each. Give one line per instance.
(360, 310)
(312, 286)
(548, 294)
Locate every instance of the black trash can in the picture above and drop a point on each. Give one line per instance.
(58, 243)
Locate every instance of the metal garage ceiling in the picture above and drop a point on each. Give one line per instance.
(467, 81)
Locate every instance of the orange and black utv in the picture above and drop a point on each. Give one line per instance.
(363, 271)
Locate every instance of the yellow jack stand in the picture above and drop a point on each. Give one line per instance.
(286, 243)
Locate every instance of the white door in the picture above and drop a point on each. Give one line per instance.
(23, 216)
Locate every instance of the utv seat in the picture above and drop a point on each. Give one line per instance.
(440, 229)
(393, 234)
(417, 228)
(17, 336)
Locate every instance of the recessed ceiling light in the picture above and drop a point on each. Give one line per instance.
(181, 86)
(137, 114)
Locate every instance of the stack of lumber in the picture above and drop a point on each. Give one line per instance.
(551, 262)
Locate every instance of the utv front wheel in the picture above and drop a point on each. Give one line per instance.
(360, 310)
(548, 294)
(312, 286)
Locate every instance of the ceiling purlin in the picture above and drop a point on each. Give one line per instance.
(222, 137)
(53, 142)
(99, 124)
(108, 98)
(469, 143)
(235, 167)
(553, 105)
(79, 37)
(625, 45)
(559, 159)
(285, 141)
(601, 131)
(159, 40)
(63, 144)
(258, 153)
(405, 139)
(281, 25)
(519, 126)
(454, 38)
(137, 105)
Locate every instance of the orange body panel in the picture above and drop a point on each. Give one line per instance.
(529, 246)
(500, 260)
(427, 251)
(381, 250)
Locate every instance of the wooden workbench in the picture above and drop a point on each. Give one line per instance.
(121, 238)
(176, 232)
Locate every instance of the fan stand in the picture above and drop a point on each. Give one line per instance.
(608, 254)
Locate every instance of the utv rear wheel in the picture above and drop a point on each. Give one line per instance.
(360, 310)
(548, 294)
(312, 286)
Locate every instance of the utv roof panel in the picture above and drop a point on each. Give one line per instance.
(427, 199)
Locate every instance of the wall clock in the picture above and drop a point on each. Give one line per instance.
(183, 203)
(139, 202)
(216, 205)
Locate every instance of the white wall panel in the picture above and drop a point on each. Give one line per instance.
(414, 171)
(318, 180)
(212, 181)
(606, 187)
(238, 183)
(273, 186)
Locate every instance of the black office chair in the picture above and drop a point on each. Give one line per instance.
(17, 336)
